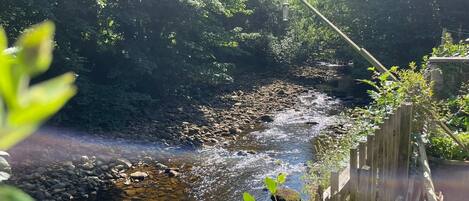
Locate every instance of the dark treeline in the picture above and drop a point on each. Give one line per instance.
(130, 53)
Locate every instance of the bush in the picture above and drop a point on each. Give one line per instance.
(445, 147)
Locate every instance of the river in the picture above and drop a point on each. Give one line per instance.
(214, 173)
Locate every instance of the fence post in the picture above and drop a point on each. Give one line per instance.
(404, 146)
(396, 127)
(353, 175)
(361, 154)
(378, 161)
(335, 196)
(371, 163)
(386, 160)
(364, 183)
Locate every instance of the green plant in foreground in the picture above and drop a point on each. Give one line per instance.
(23, 108)
(271, 185)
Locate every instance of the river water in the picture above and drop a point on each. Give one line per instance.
(212, 173)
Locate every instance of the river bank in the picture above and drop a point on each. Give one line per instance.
(217, 114)
(266, 120)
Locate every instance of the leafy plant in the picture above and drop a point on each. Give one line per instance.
(271, 185)
(445, 147)
(24, 107)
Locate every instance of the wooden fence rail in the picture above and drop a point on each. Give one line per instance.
(379, 168)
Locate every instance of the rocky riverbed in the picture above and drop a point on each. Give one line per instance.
(64, 166)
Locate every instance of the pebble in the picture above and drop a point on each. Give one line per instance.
(139, 175)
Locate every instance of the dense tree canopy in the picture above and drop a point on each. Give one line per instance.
(129, 53)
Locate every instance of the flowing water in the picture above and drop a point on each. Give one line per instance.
(218, 173)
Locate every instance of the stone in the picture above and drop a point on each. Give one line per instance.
(84, 159)
(139, 175)
(266, 118)
(286, 194)
(161, 166)
(312, 123)
(122, 161)
(251, 152)
(69, 165)
(172, 172)
(88, 166)
(242, 153)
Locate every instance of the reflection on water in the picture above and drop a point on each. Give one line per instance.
(219, 172)
(283, 146)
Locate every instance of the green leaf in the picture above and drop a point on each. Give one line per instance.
(3, 40)
(43, 100)
(271, 185)
(248, 197)
(8, 193)
(281, 178)
(36, 46)
(8, 81)
(10, 137)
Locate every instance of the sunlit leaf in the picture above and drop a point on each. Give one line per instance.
(10, 137)
(248, 197)
(36, 45)
(9, 193)
(8, 81)
(281, 178)
(271, 185)
(43, 99)
(3, 40)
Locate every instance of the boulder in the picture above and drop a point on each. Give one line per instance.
(286, 194)
(139, 175)
(266, 118)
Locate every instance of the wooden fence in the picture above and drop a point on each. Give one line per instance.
(379, 167)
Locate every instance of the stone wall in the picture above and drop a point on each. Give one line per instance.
(448, 76)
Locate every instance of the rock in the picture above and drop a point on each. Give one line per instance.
(233, 131)
(161, 166)
(139, 175)
(104, 167)
(194, 131)
(126, 163)
(84, 159)
(251, 152)
(286, 194)
(69, 165)
(172, 172)
(242, 153)
(281, 92)
(266, 118)
(312, 123)
(87, 166)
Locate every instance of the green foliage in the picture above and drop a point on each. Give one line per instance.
(8, 193)
(26, 107)
(248, 197)
(387, 95)
(270, 184)
(449, 48)
(23, 108)
(127, 54)
(445, 147)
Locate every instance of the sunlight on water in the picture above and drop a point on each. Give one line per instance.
(216, 173)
